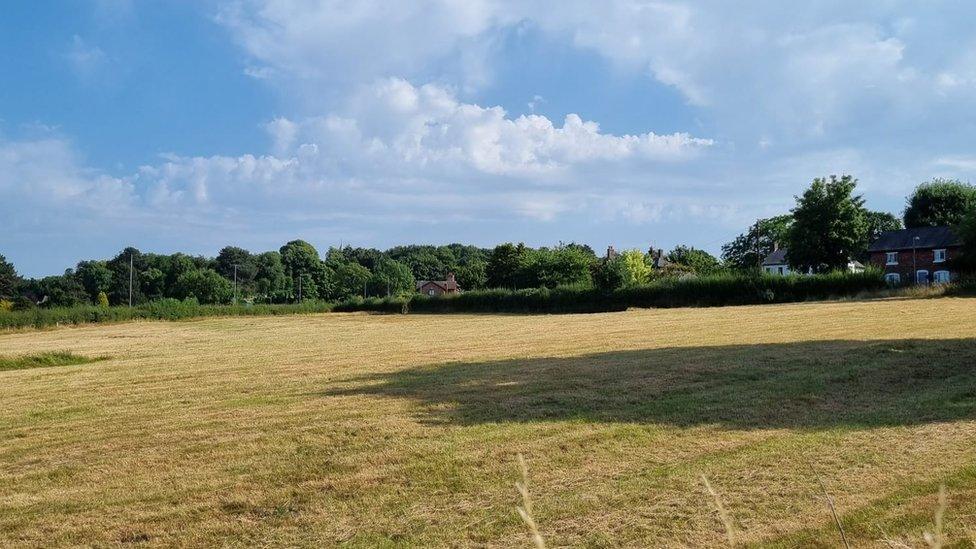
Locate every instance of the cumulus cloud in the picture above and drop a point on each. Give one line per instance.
(394, 148)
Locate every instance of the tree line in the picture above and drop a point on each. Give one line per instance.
(829, 226)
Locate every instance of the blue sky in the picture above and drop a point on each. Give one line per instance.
(192, 125)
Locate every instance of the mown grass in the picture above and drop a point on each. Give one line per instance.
(405, 430)
(43, 360)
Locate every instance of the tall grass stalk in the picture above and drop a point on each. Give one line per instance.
(525, 511)
(830, 504)
(723, 514)
(935, 539)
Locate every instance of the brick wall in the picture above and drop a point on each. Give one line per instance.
(924, 260)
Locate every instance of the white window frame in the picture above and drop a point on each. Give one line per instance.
(889, 256)
(917, 273)
(941, 277)
(939, 255)
(893, 278)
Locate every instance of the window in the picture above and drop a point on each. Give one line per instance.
(780, 270)
(941, 277)
(430, 292)
(940, 256)
(892, 258)
(921, 276)
(893, 278)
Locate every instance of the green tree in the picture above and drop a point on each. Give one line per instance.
(270, 281)
(8, 279)
(153, 282)
(750, 248)
(557, 266)
(634, 268)
(390, 278)
(966, 262)
(426, 262)
(56, 291)
(505, 265)
(119, 265)
(304, 267)
(350, 280)
(206, 285)
(102, 299)
(95, 276)
(829, 226)
(939, 202)
(179, 264)
(472, 274)
(246, 267)
(697, 261)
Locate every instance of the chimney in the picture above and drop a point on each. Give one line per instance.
(775, 246)
(611, 253)
(450, 278)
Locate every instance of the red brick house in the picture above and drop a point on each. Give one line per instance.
(439, 287)
(919, 256)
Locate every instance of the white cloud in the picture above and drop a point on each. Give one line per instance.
(396, 151)
(399, 127)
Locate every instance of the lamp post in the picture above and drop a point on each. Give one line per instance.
(915, 259)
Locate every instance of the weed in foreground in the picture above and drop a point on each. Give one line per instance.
(525, 511)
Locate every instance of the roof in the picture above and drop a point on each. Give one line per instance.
(777, 257)
(446, 285)
(905, 239)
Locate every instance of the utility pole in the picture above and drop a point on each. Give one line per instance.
(364, 289)
(130, 279)
(299, 288)
(235, 283)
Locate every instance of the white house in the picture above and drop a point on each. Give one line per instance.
(775, 263)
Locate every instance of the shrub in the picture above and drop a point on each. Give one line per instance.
(6, 305)
(102, 299)
(708, 291)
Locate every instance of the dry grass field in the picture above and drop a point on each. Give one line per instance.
(401, 431)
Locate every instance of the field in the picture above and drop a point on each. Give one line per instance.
(367, 430)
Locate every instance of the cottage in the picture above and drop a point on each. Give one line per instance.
(439, 287)
(918, 255)
(776, 263)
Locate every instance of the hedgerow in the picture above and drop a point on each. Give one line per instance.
(709, 291)
(164, 309)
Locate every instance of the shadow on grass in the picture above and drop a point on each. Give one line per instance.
(801, 385)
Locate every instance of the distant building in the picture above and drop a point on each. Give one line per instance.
(777, 264)
(658, 261)
(918, 255)
(439, 287)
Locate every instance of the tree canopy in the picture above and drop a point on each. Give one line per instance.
(940, 202)
(8, 279)
(829, 226)
(697, 261)
(748, 250)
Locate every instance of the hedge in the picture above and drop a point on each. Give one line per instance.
(710, 291)
(164, 309)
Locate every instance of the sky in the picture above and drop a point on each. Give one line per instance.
(191, 125)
